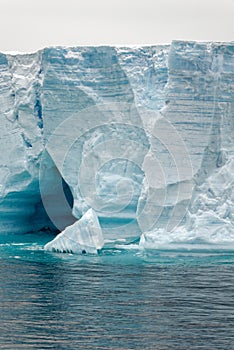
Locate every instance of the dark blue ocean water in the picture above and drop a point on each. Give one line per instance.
(121, 299)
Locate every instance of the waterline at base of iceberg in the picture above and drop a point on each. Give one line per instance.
(120, 298)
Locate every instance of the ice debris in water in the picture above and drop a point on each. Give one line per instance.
(84, 236)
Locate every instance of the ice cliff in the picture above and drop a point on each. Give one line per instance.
(142, 135)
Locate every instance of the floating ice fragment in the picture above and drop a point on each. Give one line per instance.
(84, 236)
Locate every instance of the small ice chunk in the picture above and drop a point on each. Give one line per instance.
(84, 236)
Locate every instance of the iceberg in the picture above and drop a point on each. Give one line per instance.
(84, 236)
(142, 136)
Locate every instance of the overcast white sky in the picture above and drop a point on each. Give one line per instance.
(28, 25)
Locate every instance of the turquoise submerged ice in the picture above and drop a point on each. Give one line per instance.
(143, 136)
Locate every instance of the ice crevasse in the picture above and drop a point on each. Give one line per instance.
(115, 144)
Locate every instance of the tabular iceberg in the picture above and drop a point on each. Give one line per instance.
(142, 135)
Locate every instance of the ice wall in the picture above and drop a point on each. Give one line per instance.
(20, 141)
(142, 135)
(199, 103)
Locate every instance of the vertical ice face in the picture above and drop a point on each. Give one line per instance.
(184, 132)
(95, 134)
(22, 144)
(199, 104)
(141, 135)
(20, 141)
(147, 71)
(212, 208)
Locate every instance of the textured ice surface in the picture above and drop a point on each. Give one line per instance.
(144, 136)
(200, 105)
(84, 236)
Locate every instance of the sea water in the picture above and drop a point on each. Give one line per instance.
(120, 299)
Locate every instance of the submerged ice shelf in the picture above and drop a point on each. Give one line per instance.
(143, 136)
